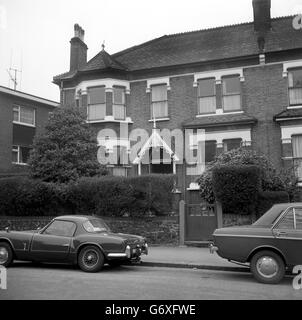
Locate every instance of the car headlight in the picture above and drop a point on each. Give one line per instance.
(128, 251)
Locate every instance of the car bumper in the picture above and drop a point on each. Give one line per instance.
(130, 252)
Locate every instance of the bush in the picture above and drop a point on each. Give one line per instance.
(237, 188)
(268, 198)
(25, 197)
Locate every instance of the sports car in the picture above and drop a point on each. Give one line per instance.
(269, 246)
(82, 240)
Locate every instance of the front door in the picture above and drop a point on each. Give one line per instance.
(53, 243)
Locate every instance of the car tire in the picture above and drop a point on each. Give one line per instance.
(91, 259)
(6, 254)
(267, 267)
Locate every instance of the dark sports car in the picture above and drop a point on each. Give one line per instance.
(272, 244)
(83, 240)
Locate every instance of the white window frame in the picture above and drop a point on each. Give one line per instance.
(166, 116)
(18, 109)
(200, 97)
(119, 104)
(17, 149)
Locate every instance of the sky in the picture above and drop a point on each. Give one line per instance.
(35, 34)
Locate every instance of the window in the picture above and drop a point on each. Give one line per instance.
(24, 115)
(298, 215)
(210, 151)
(297, 155)
(96, 103)
(20, 154)
(231, 93)
(159, 97)
(95, 225)
(61, 228)
(206, 96)
(231, 144)
(295, 87)
(119, 110)
(287, 222)
(119, 171)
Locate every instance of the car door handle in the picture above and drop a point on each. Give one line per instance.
(281, 233)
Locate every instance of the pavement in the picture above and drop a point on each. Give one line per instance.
(188, 257)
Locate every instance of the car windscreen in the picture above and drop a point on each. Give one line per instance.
(95, 226)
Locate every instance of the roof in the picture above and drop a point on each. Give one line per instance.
(75, 218)
(28, 96)
(220, 120)
(289, 114)
(207, 45)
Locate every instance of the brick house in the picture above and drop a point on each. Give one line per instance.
(241, 83)
(22, 115)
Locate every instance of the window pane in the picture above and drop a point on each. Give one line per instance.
(231, 144)
(120, 171)
(207, 105)
(298, 212)
(119, 112)
(287, 222)
(27, 115)
(295, 96)
(231, 85)
(210, 151)
(24, 154)
(97, 95)
(61, 228)
(206, 87)
(295, 78)
(16, 113)
(96, 112)
(232, 103)
(159, 93)
(159, 110)
(297, 146)
(118, 95)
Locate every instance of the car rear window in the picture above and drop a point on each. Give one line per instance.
(95, 225)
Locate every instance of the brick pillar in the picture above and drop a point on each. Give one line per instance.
(84, 102)
(109, 102)
(219, 95)
(219, 148)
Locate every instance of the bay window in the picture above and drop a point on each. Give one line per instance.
(206, 96)
(295, 87)
(231, 144)
(96, 104)
(231, 93)
(297, 154)
(159, 101)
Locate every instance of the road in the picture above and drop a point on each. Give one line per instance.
(28, 281)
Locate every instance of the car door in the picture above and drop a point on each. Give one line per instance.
(288, 235)
(53, 243)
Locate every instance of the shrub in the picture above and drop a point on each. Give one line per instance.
(237, 188)
(268, 198)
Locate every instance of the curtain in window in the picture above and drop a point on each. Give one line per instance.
(232, 103)
(96, 95)
(159, 109)
(96, 112)
(207, 105)
(159, 93)
(119, 112)
(295, 96)
(27, 115)
(118, 96)
(297, 153)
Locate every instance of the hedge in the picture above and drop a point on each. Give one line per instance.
(105, 196)
(268, 198)
(237, 188)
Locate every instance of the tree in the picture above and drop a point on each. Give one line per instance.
(66, 150)
(271, 179)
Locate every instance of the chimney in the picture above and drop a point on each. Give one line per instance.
(262, 15)
(78, 49)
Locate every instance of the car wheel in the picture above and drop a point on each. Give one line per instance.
(267, 267)
(91, 259)
(6, 254)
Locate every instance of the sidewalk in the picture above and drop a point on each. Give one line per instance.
(188, 257)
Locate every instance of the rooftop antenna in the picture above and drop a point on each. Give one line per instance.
(13, 76)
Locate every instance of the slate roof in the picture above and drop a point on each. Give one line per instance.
(199, 46)
(219, 120)
(289, 114)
